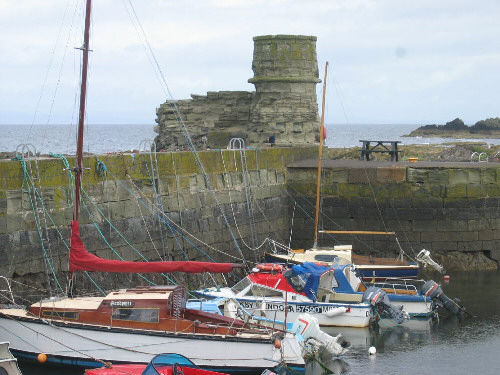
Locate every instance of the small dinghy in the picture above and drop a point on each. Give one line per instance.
(162, 364)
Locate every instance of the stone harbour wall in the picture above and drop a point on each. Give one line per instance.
(125, 199)
(451, 209)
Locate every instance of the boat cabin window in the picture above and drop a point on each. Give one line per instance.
(325, 258)
(241, 285)
(297, 282)
(149, 315)
(72, 315)
(261, 291)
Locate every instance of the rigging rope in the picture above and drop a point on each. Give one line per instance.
(179, 119)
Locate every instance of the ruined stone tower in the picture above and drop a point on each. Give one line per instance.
(285, 77)
(283, 108)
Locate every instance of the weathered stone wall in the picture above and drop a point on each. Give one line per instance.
(186, 200)
(452, 209)
(284, 104)
(212, 119)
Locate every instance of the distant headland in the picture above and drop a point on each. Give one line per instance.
(489, 128)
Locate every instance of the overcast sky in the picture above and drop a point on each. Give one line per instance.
(391, 61)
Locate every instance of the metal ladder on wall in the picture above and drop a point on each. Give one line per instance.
(479, 156)
(28, 155)
(238, 144)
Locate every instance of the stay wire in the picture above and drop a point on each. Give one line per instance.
(184, 129)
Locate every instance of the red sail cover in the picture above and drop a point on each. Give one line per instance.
(81, 260)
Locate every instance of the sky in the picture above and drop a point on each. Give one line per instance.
(390, 61)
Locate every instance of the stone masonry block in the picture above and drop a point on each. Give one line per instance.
(391, 174)
(437, 177)
(362, 176)
(470, 246)
(458, 177)
(424, 225)
(457, 191)
(452, 225)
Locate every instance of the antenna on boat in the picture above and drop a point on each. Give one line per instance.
(318, 178)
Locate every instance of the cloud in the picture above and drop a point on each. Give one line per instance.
(389, 57)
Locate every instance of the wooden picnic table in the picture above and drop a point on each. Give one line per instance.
(389, 147)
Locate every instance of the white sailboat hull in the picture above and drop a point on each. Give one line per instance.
(328, 314)
(81, 346)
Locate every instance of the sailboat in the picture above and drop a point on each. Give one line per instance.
(370, 268)
(134, 325)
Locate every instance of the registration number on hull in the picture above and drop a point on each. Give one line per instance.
(269, 306)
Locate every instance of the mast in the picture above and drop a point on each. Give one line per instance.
(320, 152)
(81, 119)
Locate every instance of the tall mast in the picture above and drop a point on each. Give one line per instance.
(81, 119)
(320, 152)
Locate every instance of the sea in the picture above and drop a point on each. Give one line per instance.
(468, 345)
(102, 139)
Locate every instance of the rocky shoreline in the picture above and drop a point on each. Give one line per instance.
(489, 128)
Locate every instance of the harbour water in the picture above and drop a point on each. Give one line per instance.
(101, 139)
(453, 346)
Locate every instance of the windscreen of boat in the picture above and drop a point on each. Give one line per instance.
(241, 285)
(304, 278)
(262, 291)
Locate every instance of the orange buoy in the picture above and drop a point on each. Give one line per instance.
(42, 358)
(277, 343)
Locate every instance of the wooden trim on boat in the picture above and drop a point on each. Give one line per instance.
(355, 232)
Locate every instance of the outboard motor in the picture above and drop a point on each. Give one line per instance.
(308, 327)
(378, 298)
(424, 256)
(432, 290)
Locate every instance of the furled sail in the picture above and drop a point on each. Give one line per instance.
(81, 260)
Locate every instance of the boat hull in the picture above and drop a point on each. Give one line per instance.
(368, 272)
(357, 315)
(84, 346)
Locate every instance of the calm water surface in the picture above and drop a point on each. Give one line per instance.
(450, 346)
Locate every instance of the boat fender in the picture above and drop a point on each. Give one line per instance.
(270, 267)
(277, 343)
(378, 298)
(336, 311)
(432, 290)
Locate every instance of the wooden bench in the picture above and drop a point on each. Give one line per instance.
(389, 147)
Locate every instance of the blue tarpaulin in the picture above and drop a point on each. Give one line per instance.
(306, 276)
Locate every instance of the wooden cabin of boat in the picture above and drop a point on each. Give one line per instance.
(160, 308)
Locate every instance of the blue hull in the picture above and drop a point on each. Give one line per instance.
(389, 273)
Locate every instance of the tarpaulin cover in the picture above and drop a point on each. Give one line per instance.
(81, 260)
(307, 275)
